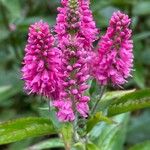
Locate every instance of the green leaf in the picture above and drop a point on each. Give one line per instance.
(97, 118)
(129, 102)
(110, 137)
(141, 8)
(78, 146)
(109, 97)
(141, 146)
(91, 146)
(23, 128)
(47, 144)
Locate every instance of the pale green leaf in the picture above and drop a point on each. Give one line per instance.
(23, 128)
(110, 137)
(92, 146)
(47, 144)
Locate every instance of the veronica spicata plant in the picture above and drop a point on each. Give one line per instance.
(61, 71)
(72, 68)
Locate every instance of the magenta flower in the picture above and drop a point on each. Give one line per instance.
(75, 71)
(41, 63)
(115, 58)
(74, 24)
(88, 28)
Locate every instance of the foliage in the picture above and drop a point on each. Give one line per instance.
(107, 132)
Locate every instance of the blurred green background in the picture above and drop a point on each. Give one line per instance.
(15, 18)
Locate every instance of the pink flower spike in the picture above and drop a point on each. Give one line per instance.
(76, 32)
(41, 64)
(114, 60)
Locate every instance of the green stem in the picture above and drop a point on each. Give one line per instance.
(102, 90)
(75, 134)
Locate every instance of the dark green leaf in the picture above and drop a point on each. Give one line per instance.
(129, 102)
(109, 97)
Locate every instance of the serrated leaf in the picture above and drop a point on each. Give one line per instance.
(23, 128)
(98, 117)
(47, 144)
(129, 102)
(109, 97)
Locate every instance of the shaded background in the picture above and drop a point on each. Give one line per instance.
(15, 18)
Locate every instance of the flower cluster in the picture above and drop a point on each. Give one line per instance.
(61, 71)
(73, 22)
(115, 58)
(41, 62)
(75, 71)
